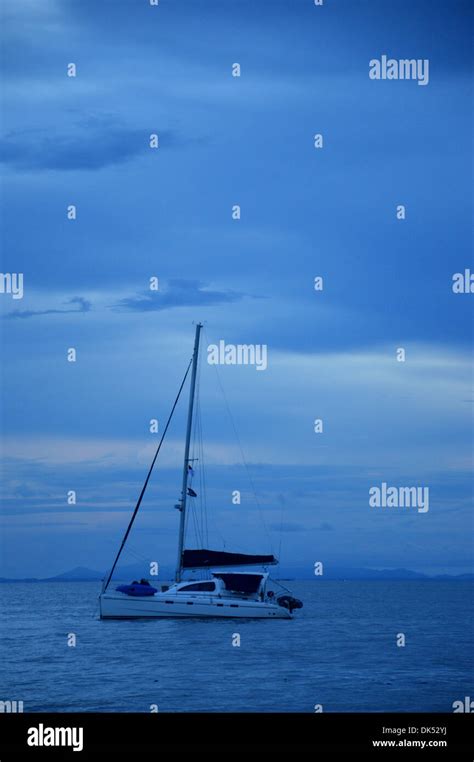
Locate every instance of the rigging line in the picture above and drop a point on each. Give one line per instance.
(281, 531)
(202, 470)
(191, 512)
(243, 457)
(135, 554)
(214, 523)
(199, 447)
(204, 492)
(198, 453)
(201, 466)
(147, 478)
(196, 500)
(192, 509)
(195, 453)
(204, 489)
(198, 456)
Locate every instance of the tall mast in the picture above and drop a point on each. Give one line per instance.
(184, 491)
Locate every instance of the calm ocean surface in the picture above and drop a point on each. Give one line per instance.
(339, 652)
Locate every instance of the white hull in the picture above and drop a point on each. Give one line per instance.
(115, 605)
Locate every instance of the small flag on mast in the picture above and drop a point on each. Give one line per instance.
(191, 492)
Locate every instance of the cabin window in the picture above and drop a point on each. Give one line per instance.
(201, 587)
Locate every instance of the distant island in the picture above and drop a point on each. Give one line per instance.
(83, 574)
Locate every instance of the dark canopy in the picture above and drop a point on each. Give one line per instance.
(241, 583)
(203, 559)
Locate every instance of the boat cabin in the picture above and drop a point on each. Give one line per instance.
(227, 584)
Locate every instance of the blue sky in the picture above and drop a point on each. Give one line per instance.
(305, 212)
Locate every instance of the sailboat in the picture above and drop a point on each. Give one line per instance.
(221, 591)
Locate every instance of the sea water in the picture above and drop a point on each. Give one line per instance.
(340, 653)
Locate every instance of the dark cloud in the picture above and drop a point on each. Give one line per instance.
(87, 147)
(179, 293)
(83, 305)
